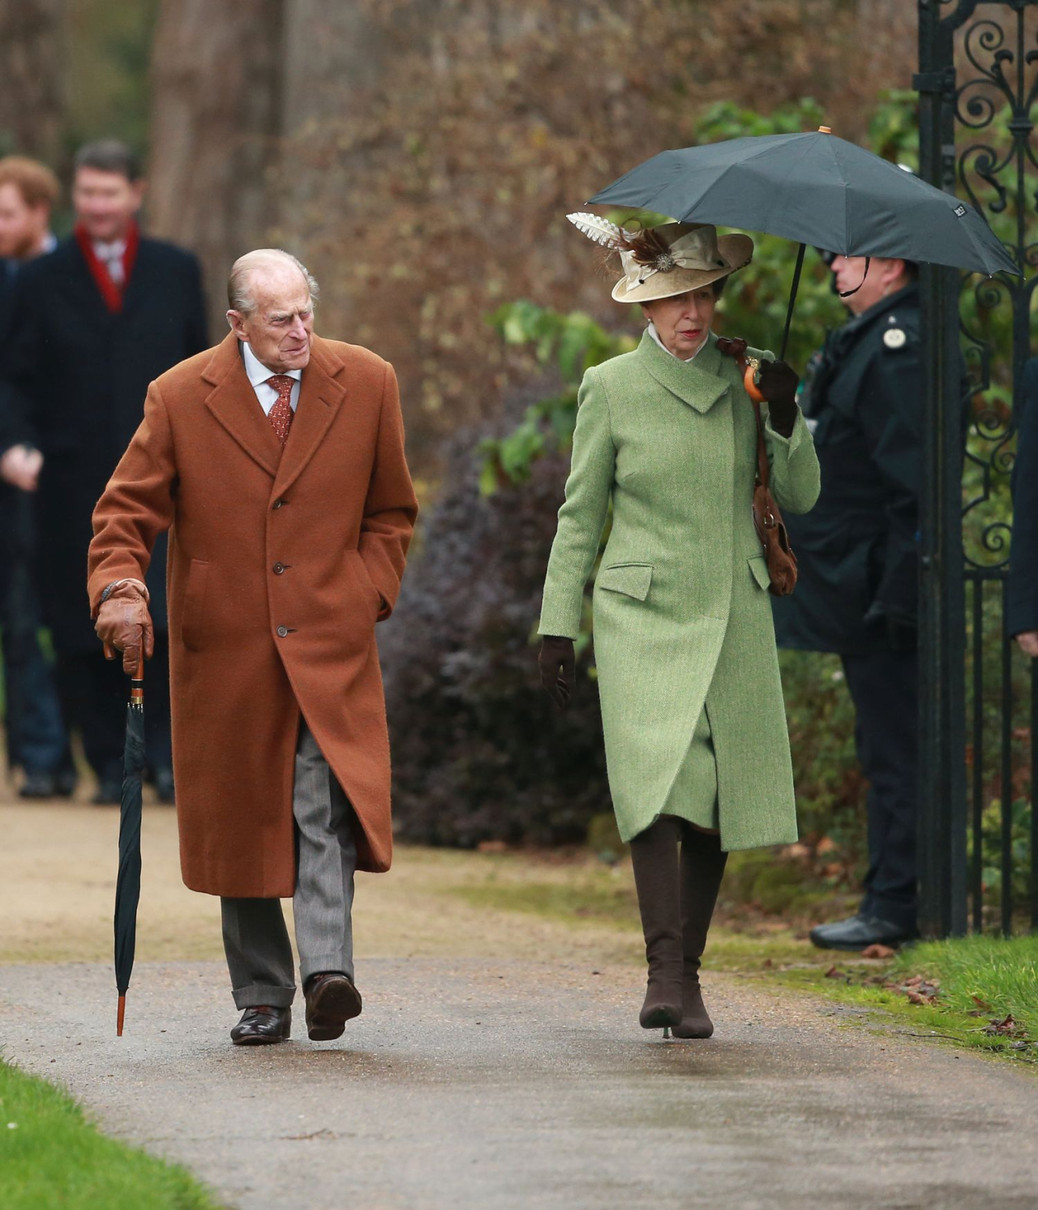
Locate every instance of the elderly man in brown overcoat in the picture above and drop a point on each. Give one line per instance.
(276, 463)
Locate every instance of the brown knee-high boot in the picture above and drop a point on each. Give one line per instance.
(702, 865)
(654, 855)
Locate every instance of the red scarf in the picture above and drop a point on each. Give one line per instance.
(111, 292)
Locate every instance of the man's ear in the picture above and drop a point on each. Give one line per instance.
(235, 319)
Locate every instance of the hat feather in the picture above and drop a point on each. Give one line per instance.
(601, 230)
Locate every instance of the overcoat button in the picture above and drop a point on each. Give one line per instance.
(279, 569)
(282, 632)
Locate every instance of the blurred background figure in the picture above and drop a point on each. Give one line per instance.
(92, 324)
(858, 555)
(36, 739)
(1022, 605)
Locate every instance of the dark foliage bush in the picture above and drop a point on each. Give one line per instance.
(479, 752)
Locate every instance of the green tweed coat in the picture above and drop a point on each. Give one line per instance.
(681, 610)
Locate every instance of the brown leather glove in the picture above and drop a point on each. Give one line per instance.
(558, 664)
(124, 623)
(778, 383)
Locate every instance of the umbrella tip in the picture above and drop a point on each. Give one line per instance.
(825, 130)
(120, 1016)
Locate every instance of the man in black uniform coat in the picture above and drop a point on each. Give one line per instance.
(93, 323)
(858, 562)
(1022, 604)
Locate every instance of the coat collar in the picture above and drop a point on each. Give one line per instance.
(698, 382)
(233, 403)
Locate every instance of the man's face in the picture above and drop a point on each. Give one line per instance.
(884, 277)
(22, 227)
(106, 203)
(280, 330)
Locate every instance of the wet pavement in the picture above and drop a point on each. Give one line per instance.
(476, 1084)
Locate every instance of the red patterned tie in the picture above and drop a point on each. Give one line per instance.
(280, 415)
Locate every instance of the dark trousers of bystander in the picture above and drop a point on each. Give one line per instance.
(93, 696)
(884, 686)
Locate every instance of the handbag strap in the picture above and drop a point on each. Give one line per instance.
(736, 348)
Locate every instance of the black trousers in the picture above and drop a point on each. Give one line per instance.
(93, 694)
(884, 687)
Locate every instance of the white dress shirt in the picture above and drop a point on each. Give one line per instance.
(111, 254)
(258, 374)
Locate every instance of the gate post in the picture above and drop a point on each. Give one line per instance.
(942, 623)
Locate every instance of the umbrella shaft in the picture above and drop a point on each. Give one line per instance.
(792, 300)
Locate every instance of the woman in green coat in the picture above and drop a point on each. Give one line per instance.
(695, 730)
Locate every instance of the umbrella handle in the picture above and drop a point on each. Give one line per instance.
(749, 380)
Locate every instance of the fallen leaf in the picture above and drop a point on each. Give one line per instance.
(877, 951)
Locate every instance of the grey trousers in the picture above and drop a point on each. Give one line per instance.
(255, 939)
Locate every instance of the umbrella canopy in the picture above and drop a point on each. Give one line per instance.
(817, 189)
(128, 880)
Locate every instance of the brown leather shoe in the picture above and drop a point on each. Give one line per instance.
(262, 1026)
(331, 1000)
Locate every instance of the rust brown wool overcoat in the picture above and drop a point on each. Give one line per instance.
(280, 563)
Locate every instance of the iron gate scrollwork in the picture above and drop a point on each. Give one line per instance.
(977, 83)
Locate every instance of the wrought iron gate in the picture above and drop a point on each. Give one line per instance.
(977, 85)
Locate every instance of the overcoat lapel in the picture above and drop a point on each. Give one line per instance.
(320, 396)
(234, 404)
(695, 382)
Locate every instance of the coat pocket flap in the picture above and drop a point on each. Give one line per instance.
(632, 579)
(759, 567)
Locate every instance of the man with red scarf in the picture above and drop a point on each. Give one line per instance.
(93, 323)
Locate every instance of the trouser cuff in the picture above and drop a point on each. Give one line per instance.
(263, 993)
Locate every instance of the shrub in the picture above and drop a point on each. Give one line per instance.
(479, 751)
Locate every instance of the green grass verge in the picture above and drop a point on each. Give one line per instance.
(51, 1156)
(981, 992)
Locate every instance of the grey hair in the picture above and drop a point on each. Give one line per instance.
(239, 294)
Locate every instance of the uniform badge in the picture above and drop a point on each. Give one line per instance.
(894, 338)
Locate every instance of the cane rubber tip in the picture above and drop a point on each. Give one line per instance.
(825, 130)
(120, 1016)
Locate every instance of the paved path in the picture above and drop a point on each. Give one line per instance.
(470, 1084)
(492, 1069)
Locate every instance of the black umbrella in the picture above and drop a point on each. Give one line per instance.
(128, 881)
(817, 189)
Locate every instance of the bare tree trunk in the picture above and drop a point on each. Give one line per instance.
(32, 71)
(217, 83)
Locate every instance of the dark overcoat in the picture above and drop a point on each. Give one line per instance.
(1022, 603)
(280, 564)
(858, 547)
(79, 375)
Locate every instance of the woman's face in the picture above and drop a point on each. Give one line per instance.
(683, 320)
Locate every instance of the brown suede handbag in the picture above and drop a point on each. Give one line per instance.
(767, 520)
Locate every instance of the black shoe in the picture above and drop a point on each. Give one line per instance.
(331, 1000)
(109, 793)
(164, 786)
(262, 1026)
(65, 783)
(46, 785)
(859, 932)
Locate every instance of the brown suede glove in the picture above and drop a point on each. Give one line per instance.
(778, 383)
(558, 663)
(124, 623)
